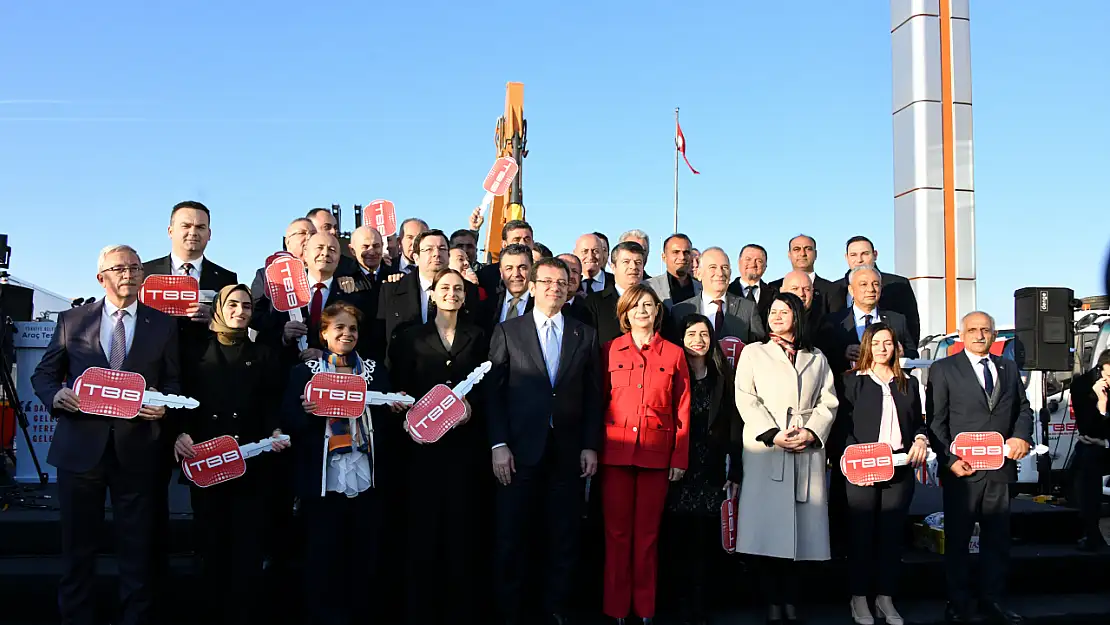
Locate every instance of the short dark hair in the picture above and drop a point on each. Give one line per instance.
(790, 243)
(628, 246)
(1103, 359)
(316, 211)
(545, 252)
(190, 204)
(677, 235)
(401, 228)
(755, 246)
(516, 224)
(517, 249)
(424, 235)
(548, 262)
(859, 238)
(601, 236)
(463, 232)
(802, 338)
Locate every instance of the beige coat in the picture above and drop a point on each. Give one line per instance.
(784, 510)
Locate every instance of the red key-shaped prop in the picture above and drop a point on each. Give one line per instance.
(337, 394)
(217, 460)
(287, 284)
(867, 463)
(729, 524)
(984, 451)
(498, 180)
(382, 215)
(276, 255)
(732, 347)
(170, 294)
(109, 393)
(435, 413)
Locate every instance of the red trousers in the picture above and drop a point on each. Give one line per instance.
(632, 502)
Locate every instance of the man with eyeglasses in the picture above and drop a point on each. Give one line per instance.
(296, 235)
(94, 454)
(544, 409)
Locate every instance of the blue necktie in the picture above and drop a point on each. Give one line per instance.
(551, 351)
(988, 379)
(119, 341)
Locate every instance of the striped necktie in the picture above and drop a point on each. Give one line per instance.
(119, 341)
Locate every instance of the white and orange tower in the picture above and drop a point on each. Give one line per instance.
(934, 190)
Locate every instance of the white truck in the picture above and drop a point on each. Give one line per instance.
(1044, 389)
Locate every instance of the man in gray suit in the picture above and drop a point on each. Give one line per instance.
(730, 314)
(678, 283)
(95, 454)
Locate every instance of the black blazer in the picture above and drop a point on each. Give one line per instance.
(742, 320)
(897, 295)
(763, 303)
(306, 431)
(399, 305)
(861, 412)
(212, 278)
(822, 291)
(955, 403)
(726, 428)
(270, 323)
(577, 309)
(80, 439)
(419, 361)
(601, 310)
(238, 398)
(521, 399)
(838, 332)
(1088, 420)
(491, 310)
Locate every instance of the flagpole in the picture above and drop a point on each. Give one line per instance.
(676, 169)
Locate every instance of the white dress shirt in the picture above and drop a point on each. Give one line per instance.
(861, 321)
(890, 431)
(754, 288)
(108, 323)
(978, 368)
(709, 309)
(176, 263)
(425, 286)
(597, 281)
(519, 305)
(324, 292)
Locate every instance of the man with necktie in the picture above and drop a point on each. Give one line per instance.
(973, 391)
(94, 454)
(512, 298)
(841, 331)
(544, 410)
(592, 252)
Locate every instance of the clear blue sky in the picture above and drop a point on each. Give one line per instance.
(111, 112)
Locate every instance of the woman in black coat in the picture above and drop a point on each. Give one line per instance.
(238, 384)
(880, 404)
(448, 480)
(336, 478)
(716, 432)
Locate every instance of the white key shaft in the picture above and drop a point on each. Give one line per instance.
(295, 315)
(251, 450)
(374, 398)
(154, 398)
(462, 388)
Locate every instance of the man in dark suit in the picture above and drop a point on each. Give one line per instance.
(628, 271)
(1092, 459)
(405, 262)
(408, 300)
(840, 332)
(296, 236)
(799, 283)
(592, 251)
(749, 284)
(897, 294)
(511, 298)
(276, 328)
(974, 391)
(94, 453)
(641, 237)
(731, 315)
(576, 302)
(515, 232)
(367, 247)
(544, 410)
(325, 221)
(802, 251)
(676, 284)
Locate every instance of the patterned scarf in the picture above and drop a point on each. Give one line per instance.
(787, 346)
(346, 435)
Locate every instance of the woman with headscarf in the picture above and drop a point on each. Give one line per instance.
(238, 384)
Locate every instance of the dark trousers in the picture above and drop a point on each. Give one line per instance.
(445, 527)
(160, 547)
(687, 540)
(778, 579)
(877, 516)
(230, 525)
(81, 499)
(1091, 463)
(548, 494)
(965, 502)
(341, 539)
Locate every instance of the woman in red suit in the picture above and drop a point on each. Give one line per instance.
(647, 428)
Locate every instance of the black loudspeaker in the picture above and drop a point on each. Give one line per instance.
(1044, 328)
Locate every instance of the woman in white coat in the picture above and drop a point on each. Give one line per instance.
(784, 393)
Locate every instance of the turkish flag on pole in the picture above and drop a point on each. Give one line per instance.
(680, 143)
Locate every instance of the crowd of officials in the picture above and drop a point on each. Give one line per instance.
(610, 407)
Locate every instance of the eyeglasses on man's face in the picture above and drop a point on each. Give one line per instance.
(547, 283)
(121, 269)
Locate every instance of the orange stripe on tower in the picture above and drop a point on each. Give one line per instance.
(948, 143)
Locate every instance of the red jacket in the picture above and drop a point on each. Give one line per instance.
(647, 421)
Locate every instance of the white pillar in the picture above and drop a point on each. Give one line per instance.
(934, 191)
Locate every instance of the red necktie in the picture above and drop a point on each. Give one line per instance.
(719, 321)
(317, 305)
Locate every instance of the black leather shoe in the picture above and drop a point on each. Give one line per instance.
(955, 614)
(1091, 544)
(558, 619)
(997, 613)
(774, 614)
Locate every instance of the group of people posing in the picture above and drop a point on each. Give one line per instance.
(610, 400)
